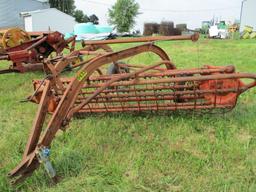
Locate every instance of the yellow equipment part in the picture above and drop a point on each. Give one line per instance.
(246, 35)
(253, 35)
(248, 29)
(13, 37)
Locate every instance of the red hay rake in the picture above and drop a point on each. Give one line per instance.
(106, 84)
(29, 55)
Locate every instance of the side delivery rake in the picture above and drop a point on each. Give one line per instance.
(133, 87)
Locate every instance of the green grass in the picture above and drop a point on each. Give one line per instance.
(147, 152)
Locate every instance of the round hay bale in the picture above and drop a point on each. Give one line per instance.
(166, 28)
(150, 29)
(177, 31)
(182, 27)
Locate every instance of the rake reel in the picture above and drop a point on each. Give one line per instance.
(135, 88)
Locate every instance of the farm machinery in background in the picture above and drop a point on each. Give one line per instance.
(248, 33)
(219, 30)
(111, 82)
(215, 29)
(26, 53)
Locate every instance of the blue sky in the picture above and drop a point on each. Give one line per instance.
(192, 12)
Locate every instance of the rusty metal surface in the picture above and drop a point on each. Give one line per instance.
(38, 33)
(194, 37)
(27, 55)
(45, 43)
(13, 37)
(132, 88)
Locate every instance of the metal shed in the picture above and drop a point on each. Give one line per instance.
(43, 20)
(248, 14)
(10, 11)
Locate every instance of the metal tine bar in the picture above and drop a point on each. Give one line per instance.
(219, 91)
(167, 73)
(175, 105)
(155, 95)
(105, 105)
(158, 88)
(155, 108)
(140, 99)
(181, 79)
(195, 94)
(215, 94)
(122, 104)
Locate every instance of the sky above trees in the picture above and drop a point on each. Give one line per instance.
(192, 12)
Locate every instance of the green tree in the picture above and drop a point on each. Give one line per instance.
(86, 19)
(79, 15)
(94, 19)
(66, 6)
(123, 15)
(83, 18)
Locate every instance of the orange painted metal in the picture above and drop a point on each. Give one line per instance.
(135, 88)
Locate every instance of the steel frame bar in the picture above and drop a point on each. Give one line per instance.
(194, 37)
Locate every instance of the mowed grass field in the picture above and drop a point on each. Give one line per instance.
(147, 152)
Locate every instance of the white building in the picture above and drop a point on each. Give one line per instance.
(45, 19)
(248, 14)
(10, 11)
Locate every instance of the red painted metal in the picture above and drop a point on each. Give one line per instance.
(30, 55)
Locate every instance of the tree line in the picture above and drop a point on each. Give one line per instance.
(122, 14)
(68, 7)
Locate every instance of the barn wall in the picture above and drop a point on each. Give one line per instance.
(10, 11)
(53, 19)
(248, 14)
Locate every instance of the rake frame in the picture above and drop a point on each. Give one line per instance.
(148, 88)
